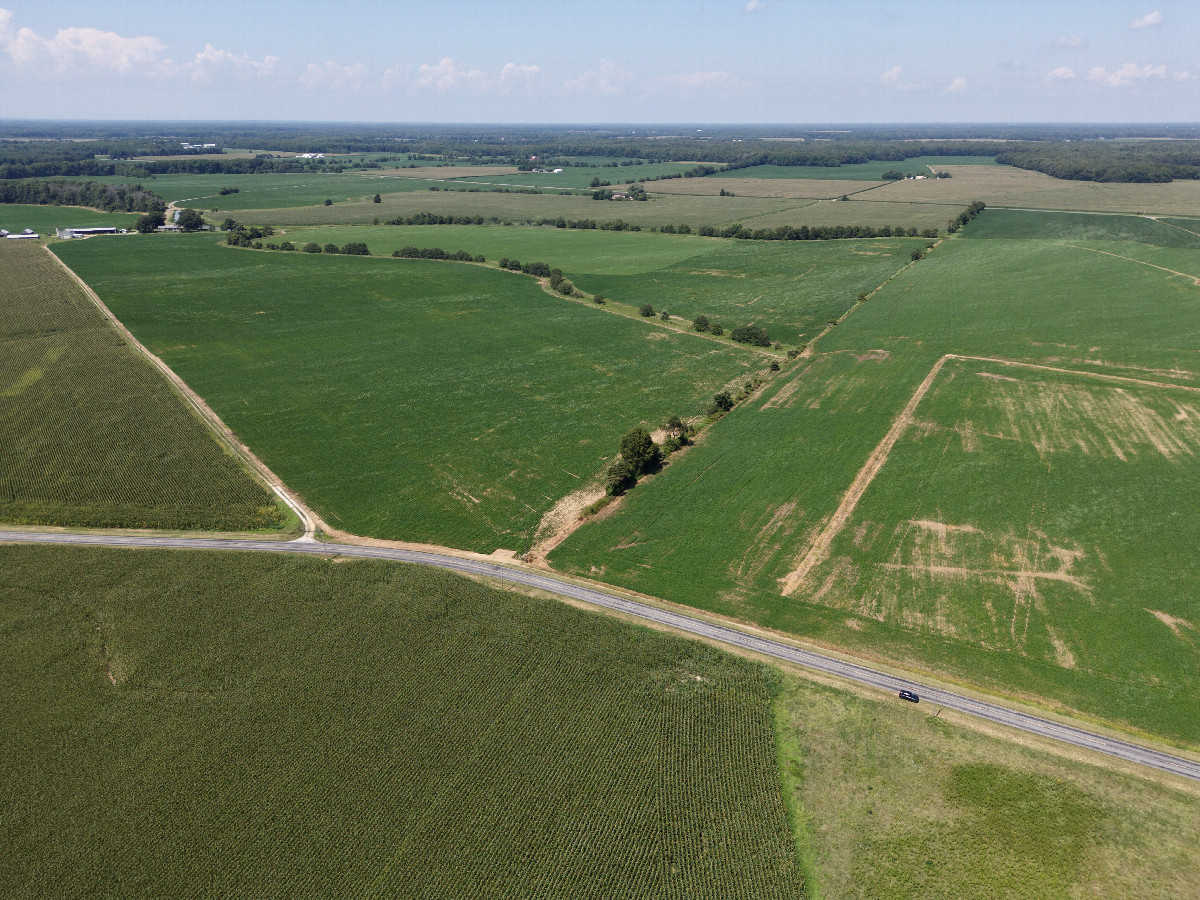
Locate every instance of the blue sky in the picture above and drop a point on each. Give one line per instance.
(768, 61)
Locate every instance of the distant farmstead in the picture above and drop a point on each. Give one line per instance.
(27, 234)
(68, 233)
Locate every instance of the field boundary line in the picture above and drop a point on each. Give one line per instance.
(819, 549)
(1195, 279)
(310, 520)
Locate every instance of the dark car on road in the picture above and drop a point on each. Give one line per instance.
(910, 697)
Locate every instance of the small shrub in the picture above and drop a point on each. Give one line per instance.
(599, 299)
(287, 245)
(356, 248)
(331, 247)
(480, 259)
(665, 316)
(700, 323)
(312, 248)
(647, 310)
(328, 202)
(721, 403)
(774, 366)
(619, 478)
(717, 330)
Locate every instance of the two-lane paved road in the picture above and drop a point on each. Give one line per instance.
(731, 636)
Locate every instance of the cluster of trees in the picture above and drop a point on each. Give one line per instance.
(562, 285)
(751, 334)
(108, 197)
(812, 232)
(640, 455)
(435, 253)
(228, 190)
(240, 235)
(966, 216)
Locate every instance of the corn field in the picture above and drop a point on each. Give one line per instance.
(91, 434)
(241, 725)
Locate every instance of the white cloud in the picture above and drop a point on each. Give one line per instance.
(754, 6)
(1182, 75)
(891, 76)
(1154, 18)
(958, 85)
(446, 75)
(211, 63)
(1071, 40)
(76, 49)
(609, 79)
(519, 75)
(1126, 75)
(1062, 73)
(334, 75)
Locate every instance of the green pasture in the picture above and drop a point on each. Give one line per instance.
(868, 171)
(90, 434)
(792, 288)
(575, 177)
(906, 803)
(776, 469)
(406, 399)
(16, 217)
(248, 725)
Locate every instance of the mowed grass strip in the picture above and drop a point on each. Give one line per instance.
(406, 399)
(90, 433)
(241, 725)
(905, 802)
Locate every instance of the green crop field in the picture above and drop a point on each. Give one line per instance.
(899, 802)
(406, 399)
(16, 217)
(780, 467)
(577, 177)
(90, 433)
(209, 724)
(1087, 227)
(868, 171)
(791, 288)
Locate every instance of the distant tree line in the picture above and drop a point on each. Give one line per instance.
(108, 197)
(1138, 162)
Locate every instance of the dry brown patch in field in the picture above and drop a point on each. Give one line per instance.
(1007, 186)
(780, 188)
(935, 564)
(1094, 419)
(771, 537)
(1173, 622)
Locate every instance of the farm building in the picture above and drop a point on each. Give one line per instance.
(85, 232)
(27, 234)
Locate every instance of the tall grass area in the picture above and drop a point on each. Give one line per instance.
(90, 433)
(406, 399)
(210, 724)
(894, 801)
(779, 466)
(791, 288)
